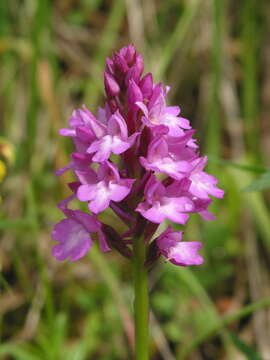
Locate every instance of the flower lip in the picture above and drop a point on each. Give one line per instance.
(99, 189)
(177, 251)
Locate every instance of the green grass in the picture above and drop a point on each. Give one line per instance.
(52, 58)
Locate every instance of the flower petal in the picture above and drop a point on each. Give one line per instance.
(177, 252)
(74, 240)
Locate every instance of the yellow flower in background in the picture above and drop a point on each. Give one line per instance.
(7, 150)
(6, 157)
(3, 170)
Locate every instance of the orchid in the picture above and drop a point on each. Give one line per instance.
(112, 138)
(74, 233)
(138, 157)
(102, 187)
(179, 252)
(157, 113)
(161, 203)
(163, 158)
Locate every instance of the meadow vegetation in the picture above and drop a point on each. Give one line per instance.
(215, 55)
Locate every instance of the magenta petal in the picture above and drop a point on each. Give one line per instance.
(89, 222)
(86, 192)
(117, 126)
(175, 169)
(207, 215)
(120, 63)
(100, 202)
(81, 161)
(173, 110)
(116, 141)
(178, 217)
(204, 184)
(119, 146)
(177, 252)
(67, 132)
(102, 148)
(111, 86)
(74, 240)
(153, 189)
(175, 208)
(86, 176)
(146, 85)
(119, 191)
(184, 123)
(134, 93)
(185, 253)
(158, 206)
(142, 107)
(98, 128)
(108, 171)
(61, 171)
(151, 213)
(132, 138)
(130, 52)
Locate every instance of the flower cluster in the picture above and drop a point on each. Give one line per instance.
(138, 157)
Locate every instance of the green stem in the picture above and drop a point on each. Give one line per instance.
(141, 301)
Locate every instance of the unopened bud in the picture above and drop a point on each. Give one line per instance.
(111, 86)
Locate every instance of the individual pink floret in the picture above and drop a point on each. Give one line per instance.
(74, 233)
(179, 252)
(74, 239)
(112, 138)
(102, 187)
(203, 184)
(162, 204)
(157, 113)
(79, 162)
(174, 161)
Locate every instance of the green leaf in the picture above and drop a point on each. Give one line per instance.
(244, 348)
(19, 351)
(244, 167)
(222, 323)
(260, 184)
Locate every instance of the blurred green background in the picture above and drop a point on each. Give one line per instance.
(215, 54)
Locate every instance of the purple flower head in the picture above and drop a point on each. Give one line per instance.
(179, 252)
(138, 157)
